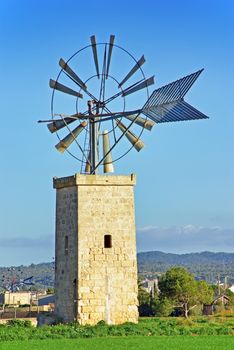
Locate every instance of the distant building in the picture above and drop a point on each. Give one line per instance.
(150, 286)
(16, 298)
(208, 309)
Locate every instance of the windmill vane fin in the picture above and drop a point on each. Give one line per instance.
(173, 112)
(173, 91)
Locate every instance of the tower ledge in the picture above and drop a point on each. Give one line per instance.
(101, 180)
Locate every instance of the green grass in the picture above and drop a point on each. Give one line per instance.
(123, 343)
(166, 333)
(22, 331)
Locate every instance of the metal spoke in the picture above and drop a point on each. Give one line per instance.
(74, 77)
(117, 141)
(112, 120)
(80, 148)
(121, 92)
(102, 86)
(72, 74)
(69, 138)
(101, 92)
(140, 86)
(113, 128)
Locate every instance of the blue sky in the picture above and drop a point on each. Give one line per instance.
(184, 193)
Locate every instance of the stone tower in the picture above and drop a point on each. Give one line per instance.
(96, 268)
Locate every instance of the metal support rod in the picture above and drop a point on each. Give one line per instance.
(92, 138)
(110, 150)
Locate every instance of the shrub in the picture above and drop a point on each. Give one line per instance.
(19, 323)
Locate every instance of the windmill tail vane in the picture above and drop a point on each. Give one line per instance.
(99, 124)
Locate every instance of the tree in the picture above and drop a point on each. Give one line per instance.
(50, 290)
(230, 296)
(205, 292)
(162, 306)
(144, 301)
(180, 287)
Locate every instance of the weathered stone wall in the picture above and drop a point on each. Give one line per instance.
(106, 277)
(66, 261)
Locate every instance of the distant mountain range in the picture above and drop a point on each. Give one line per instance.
(206, 265)
(189, 258)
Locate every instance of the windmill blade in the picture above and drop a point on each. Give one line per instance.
(140, 86)
(72, 74)
(59, 124)
(145, 123)
(111, 43)
(95, 57)
(137, 66)
(60, 87)
(135, 141)
(66, 141)
(107, 162)
(173, 91)
(173, 112)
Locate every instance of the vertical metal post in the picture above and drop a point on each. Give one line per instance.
(92, 138)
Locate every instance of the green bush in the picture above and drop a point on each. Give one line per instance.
(19, 323)
(201, 320)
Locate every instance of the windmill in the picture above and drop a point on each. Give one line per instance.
(96, 130)
(100, 108)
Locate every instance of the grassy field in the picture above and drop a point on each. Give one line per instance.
(196, 333)
(123, 343)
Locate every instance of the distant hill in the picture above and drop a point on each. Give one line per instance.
(189, 258)
(43, 275)
(205, 265)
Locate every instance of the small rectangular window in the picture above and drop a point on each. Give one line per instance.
(66, 245)
(107, 241)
